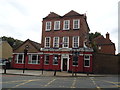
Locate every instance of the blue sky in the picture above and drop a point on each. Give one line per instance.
(22, 19)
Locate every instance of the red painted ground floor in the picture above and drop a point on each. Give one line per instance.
(54, 60)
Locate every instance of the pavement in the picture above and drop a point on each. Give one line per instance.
(49, 73)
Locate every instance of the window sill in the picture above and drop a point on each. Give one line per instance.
(56, 29)
(47, 30)
(75, 65)
(34, 63)
(87, 66)
(55, 64)
(66, 29)
(76, 28)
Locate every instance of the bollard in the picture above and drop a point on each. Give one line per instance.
(72, 73)
(4, 69)
(55, 73)
(42, 71)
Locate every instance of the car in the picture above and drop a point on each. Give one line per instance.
(4, 63)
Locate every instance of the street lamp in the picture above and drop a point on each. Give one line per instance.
(25, 54)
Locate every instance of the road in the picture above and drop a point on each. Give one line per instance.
(17, 81)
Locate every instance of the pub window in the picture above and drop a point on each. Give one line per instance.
(66, 25)
(65, 42)
(56, 42)
(76, 24)
(75, 60)
(57, 25)
(19, 58)
(46, 59)
(33, 59)
(55, 59)
(48, 26)
(75, 42)
(86, 61)
(47, 42)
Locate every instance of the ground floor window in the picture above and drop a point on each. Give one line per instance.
(86, 61)
(75, 60)
(46, 61)
(33, 59)
(55, 59)
(19, 58)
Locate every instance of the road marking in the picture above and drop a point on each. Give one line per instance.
(49, 82)
(20, 81)
(95, 83)
(22, 84)
(27, 81)
(73, 84)
(115, 83)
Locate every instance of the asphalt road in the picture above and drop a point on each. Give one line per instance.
(17, 81)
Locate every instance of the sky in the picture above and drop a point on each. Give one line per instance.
(22, 19)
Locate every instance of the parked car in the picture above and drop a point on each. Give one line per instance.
(4, 63)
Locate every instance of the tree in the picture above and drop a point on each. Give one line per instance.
(13, 42)
(91, 37)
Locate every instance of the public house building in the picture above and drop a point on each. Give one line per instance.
(64, 45)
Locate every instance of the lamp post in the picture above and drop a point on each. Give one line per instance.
(25, 54)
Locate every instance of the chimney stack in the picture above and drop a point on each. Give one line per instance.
(107, 36)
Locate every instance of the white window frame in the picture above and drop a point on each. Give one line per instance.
(50, 24)
(68, 25)
(73, 44)
(48, 42)
(65, 42)
(45, 59)
(55, 24)
(56, 42)
(78, 25)
(16, 58)
(57, 59)
(30, 59)
(86, 59)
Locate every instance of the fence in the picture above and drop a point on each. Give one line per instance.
(106, 64)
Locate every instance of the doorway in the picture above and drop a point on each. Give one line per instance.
(64, 64)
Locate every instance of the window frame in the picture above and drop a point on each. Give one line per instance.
(73, 41)
(48, 42)
(86, 60)
(78, 25)
(64, 25)
(54, 59)
(73, 61)
(30, 59)
(46, 60)
(56, 42)
(64, 42)
(46, 26)
(17, 58)
(55, 24)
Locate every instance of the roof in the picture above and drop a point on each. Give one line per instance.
(71, 13)
(100, 40)
(53, 15)
(35, 44)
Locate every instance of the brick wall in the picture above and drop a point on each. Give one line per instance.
(61, 33)
(106, 63)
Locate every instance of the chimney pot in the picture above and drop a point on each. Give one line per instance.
(107, 36)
